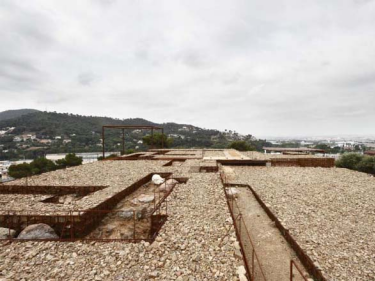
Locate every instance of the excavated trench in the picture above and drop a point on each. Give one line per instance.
(265, 250)
(132, 216)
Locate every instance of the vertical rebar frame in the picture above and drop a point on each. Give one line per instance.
(123, 128)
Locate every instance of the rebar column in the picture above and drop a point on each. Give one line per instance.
(123, 141)
(103, 142)
(152, 138)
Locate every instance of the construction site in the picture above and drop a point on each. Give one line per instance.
(193, 214)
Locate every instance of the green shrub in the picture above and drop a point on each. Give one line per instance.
(366, 165)
(20, 171)
(241, 146)
(108, 157)
(70, 160)
(42, 165)
(157, 140)
(349, 161)
(128, 151)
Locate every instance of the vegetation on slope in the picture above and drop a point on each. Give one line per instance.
(241, 146)
(10, 114)
(357, 162)
(68, 133)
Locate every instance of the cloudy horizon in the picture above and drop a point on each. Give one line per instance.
(262, 67)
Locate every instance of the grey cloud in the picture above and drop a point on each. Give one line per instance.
(86, 78)
(18, 74)
(355, 80)
(251, 66)
(194, 58)
(104, 2)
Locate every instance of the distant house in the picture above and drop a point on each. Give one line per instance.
(306, 143)
(34, 148)
(26, 137)
(67, 141)
(347, 145)
(176, 136)
(370, 152)
(58, 138)
(6, 130)
(371, 146)
(184, 128)
(45, 141)
(17, 139)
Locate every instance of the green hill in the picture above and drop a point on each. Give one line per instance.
(62, 132)
(9, 114)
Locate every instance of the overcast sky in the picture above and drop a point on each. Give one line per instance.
(263, 67)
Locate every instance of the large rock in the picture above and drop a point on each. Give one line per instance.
(6, 233)
(232, 192)
(126, 214)
(241, 271)
(38, 231)
(157, 179)
(168, 185)
(143, 198)
(134, 201)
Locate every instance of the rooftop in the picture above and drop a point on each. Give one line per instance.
(196, 231)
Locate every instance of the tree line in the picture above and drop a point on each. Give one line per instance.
(42, 165)
(357, 162)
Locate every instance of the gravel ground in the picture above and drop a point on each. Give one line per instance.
(192, 245)
(255, 155)
(330, 213)
(214, 153)
(117, 175)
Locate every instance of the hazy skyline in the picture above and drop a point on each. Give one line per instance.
(261, 67)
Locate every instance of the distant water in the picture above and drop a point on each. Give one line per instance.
(87, 157)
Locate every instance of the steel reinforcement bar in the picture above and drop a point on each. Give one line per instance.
(72, 222)
(250, 270)
(49, 189)
(83, 222)
(303, 257)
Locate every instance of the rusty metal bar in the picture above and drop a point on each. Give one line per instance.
(292, 262)
(239, 234)
(291, 270)
(86, 220)
(123, 141)
(103, 144)
(253, 264)
(152, 138)
(50, 189)
(134, 218)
